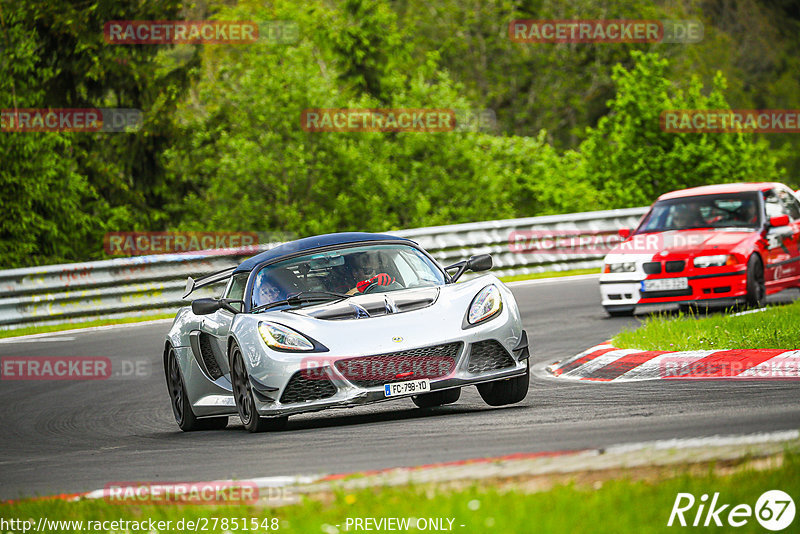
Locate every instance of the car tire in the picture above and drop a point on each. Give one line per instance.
(181, 406)
(243, 395)
(620, 311)
(437, 398)
(756, 288)
(506, 391)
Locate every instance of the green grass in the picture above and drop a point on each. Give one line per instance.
(615, 506)
(548, 274)
(776, 328)
(27, 330)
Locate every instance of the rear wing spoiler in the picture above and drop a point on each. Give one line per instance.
(213, 278)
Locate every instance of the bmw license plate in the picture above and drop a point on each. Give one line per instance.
(412, 387)
(665, 284)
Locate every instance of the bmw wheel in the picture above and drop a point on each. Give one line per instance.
(181, 407)
(243, 395)
(756, 288)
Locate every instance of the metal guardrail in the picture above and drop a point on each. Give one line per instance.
(148, 285)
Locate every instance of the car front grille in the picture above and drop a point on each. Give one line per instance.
(487, 356)
(675, 266)
(652, 267)
(308, 385)
(427, 362)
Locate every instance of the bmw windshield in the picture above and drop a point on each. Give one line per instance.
(347, 271)
(736, 210)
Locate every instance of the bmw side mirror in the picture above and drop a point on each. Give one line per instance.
(481, 262)
(779, 220)
(624, 233)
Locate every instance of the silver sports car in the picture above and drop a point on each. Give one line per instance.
(341, 320)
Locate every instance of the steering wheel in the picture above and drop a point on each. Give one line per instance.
(372, 287)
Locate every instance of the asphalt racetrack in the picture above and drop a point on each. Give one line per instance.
(74, 436)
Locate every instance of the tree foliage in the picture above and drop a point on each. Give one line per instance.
(222, 146)
(41, 190)
(629, 160)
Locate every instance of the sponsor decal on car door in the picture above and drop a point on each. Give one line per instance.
(782, 242)
(792, 207)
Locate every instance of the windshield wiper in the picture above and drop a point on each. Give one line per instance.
(300, 298)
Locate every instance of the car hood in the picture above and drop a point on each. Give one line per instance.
(371, 305)
(437, 322)
(683, 241)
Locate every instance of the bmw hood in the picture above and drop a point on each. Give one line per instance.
(682, 241)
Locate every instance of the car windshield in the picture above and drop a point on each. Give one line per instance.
(353, 270)
(738, 210)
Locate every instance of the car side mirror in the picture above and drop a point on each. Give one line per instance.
(624, 233)
(204, 306)
(209, 306)
(479, 263)
(779, 220)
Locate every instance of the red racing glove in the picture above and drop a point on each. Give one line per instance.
(381, 279)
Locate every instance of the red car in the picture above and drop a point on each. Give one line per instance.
(711, 245)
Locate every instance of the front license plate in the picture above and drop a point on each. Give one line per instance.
(665, 284)
(412, 387)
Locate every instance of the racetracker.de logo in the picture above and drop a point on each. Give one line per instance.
(397, 120)
(56, 368)
(139, 243)
(562, 241)
(733, 364)
(70, 120)
(378, 120)
(605, 31)
(600, 242)
(377, 368)
(730, 120)
(194, 493)
(126, 32)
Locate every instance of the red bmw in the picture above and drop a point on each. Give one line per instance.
(711, 245)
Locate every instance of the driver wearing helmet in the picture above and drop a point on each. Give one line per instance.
(685, 217)
(749, 212)
(265, 290)
(367, 267)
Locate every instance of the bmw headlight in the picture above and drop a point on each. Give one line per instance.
(283, 338)
(625, 267)
(485, 304)
(717, 260)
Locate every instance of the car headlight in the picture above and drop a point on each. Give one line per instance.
(625, 267)
(283, 338)
(716, 260)
(485, 304)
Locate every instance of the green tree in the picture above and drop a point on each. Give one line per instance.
(41, 192)
(251, 166)
(630, 160)
(71, 66)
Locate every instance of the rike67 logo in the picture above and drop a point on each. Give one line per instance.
(774, 510)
